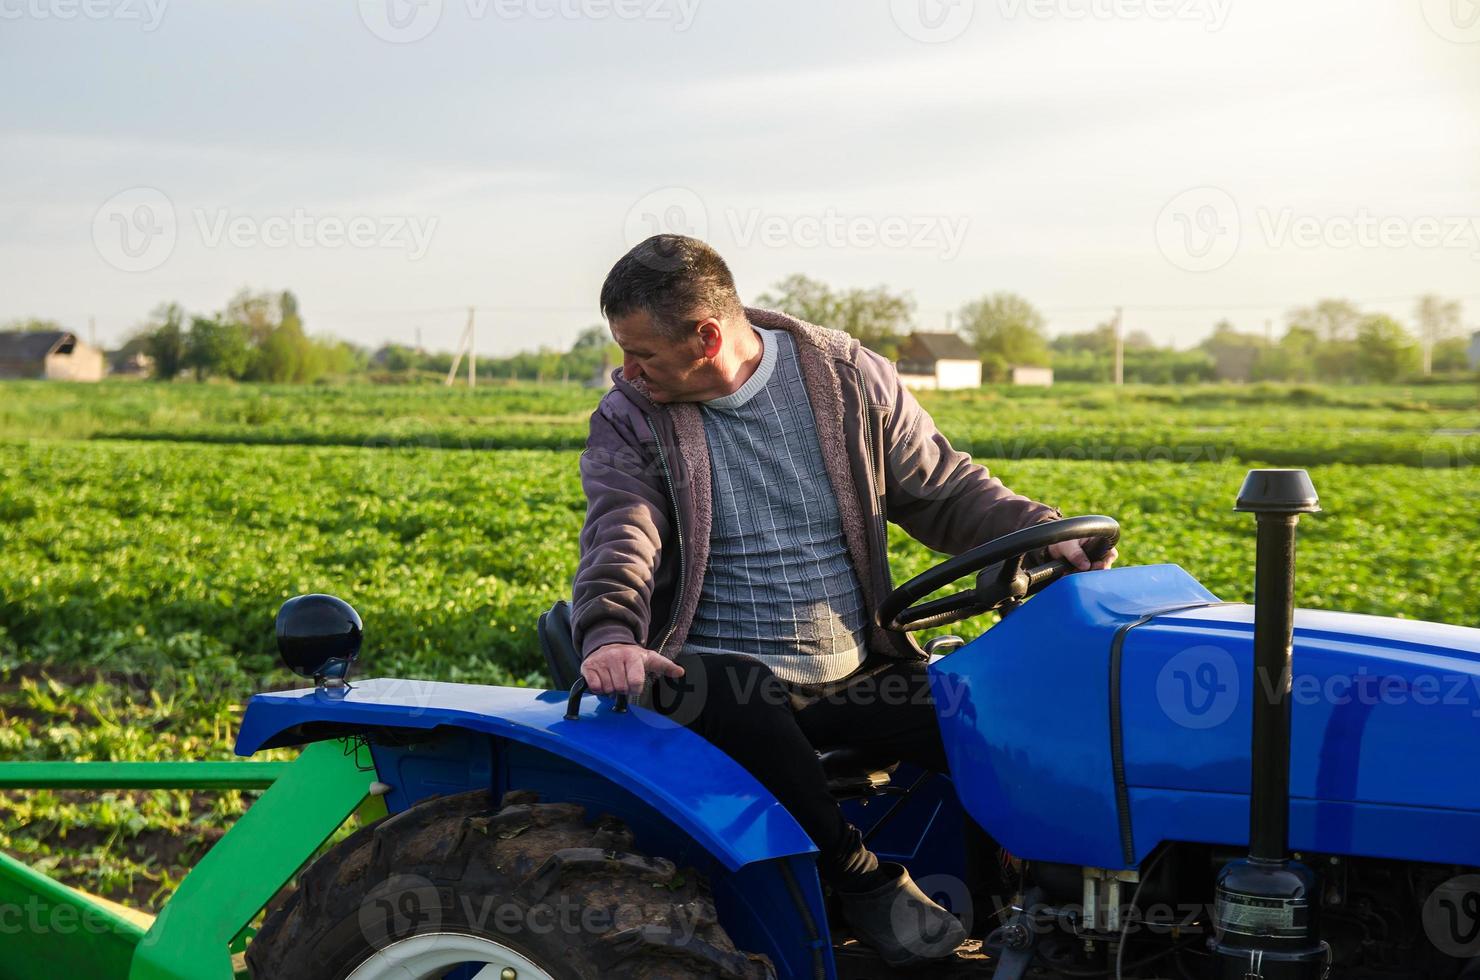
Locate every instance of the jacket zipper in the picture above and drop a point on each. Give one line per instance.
(678, 530)
(868, 441)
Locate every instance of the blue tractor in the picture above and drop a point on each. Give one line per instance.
(1145, 781)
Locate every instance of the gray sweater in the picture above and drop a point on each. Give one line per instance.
(780, 585)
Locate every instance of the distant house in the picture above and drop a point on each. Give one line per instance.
(1042, 377)
(55, 355)
(130, 364)
(939, 362)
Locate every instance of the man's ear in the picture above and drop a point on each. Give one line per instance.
(710, 337)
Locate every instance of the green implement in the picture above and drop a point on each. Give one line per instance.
(49, 930)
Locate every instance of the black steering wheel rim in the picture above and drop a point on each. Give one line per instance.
(900, 613)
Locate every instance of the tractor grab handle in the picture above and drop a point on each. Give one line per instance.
(573, 706)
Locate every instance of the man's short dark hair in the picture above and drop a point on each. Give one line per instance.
(675, 279)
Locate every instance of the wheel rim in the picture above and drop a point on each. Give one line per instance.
(431, 955)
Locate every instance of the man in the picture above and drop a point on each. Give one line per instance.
(738, 478)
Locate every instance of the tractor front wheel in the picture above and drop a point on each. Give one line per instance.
(456, 886)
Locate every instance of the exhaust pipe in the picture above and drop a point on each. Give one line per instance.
(1265, 911)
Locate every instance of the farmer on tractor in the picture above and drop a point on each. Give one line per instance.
(738, 478)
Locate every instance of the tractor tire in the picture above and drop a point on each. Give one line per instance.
(525, 884)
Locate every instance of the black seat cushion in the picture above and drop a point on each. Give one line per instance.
(559, 646)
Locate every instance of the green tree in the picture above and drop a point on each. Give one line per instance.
(1385, 351)
(1234, 352)
(878, 318)
(1006, 331)
(1330, 319)
(216, 348)
(166, 341)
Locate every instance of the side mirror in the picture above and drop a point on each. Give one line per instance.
(319, 636)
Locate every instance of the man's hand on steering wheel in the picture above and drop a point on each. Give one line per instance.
(1073, 553)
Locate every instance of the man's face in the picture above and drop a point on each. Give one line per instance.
(675, 370)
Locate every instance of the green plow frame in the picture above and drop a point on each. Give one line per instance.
(48, 930)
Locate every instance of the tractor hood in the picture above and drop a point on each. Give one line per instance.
(1136, 694)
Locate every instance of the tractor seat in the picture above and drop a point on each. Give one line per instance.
(851, 772)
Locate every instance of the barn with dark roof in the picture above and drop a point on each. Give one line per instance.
(55, 355)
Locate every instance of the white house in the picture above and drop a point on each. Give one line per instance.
(939, 362)
(1041, 377)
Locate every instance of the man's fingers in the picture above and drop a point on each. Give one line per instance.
(1107, 559)
(1074, 552)
(594, 680)
(659, 664)
(633, 676)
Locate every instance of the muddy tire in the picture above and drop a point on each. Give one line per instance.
(524, 884)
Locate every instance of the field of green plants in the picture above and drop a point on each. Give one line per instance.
(150, 532)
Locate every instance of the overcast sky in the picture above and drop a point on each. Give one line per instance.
(393, 162)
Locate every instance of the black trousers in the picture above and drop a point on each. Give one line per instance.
(773, 729)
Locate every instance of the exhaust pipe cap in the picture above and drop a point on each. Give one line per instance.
(1278, 492)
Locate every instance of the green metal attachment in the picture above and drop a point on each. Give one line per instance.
(48, 930)
(140, 775)
(246, 867)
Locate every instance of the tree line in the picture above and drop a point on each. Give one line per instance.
(260, 336)
(1332, 340)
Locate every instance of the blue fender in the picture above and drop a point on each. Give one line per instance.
(683, 798)
(688, 780)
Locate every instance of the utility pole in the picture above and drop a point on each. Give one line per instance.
(1119, 349)
(1269, 331)
(92, 331)
(464, 346)
(419, 348)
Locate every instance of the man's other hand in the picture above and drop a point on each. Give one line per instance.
(621, 668)
(1073, 553)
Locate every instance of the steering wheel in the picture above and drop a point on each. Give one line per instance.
(1002, 582)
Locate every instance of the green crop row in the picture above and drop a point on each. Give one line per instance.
(1432, 427)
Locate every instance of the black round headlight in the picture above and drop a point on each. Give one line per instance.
(319, 636)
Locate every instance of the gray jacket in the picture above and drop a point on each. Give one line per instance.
(646, 474)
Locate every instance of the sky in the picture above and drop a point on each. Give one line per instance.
(394, 162)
